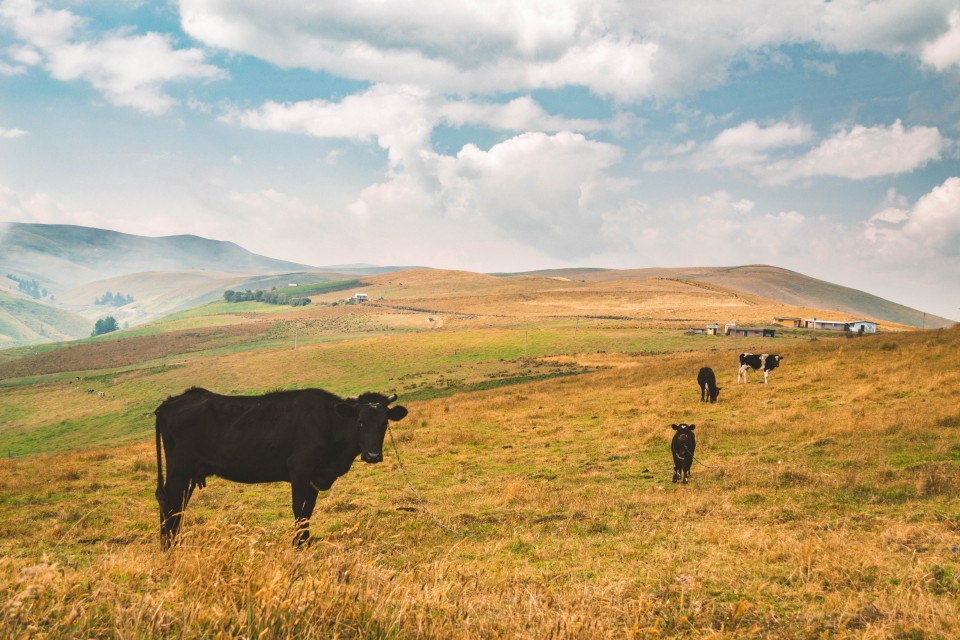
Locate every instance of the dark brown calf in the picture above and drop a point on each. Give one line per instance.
(683, 445)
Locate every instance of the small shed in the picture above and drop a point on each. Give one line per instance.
(863, 326)
(789, 321)
(360, 297)
(713, 329)
(827, 325)
(753, 332)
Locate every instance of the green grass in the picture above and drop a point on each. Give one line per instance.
(321, 288)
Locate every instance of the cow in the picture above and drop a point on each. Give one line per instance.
(682, 446)
(766, 361)
(708, 385)
(308, 438)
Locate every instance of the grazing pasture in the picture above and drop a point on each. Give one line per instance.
(825, 503)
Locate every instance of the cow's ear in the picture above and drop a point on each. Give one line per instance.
(346, 410)
(675, 427)
(692, 427)
(397, 413)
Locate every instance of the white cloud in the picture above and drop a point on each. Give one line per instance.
(944, 52)
(768, 153)
(746, 145)
(625, 50)
(129, 70)
(11, 133)
(928, 231)
(550, 192)
(403, 110)
(749, 144)
(7, 69)
(863, 152)
(41, 207)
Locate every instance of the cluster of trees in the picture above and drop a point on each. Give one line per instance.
(114, 299)
(104, 325)
(30, 287)
(270, 297)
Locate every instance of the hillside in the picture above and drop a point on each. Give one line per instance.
(23, 322)
(76, 265)
(782, 285)
(65, 255)
(660, 301)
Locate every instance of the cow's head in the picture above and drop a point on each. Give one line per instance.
(715, 394)
(372, 414)
(684, 433)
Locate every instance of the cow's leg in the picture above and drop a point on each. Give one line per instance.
(304, 500)
(741, 372)
(676, 473)
(766, 374)
(176, 495)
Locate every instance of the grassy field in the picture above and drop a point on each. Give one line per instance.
(825, 505)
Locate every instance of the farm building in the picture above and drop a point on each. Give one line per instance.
(713, 329)
(731, 329)
(862, 326)
(796, 323)
(828, 325)
(360, 297)
(752, 332)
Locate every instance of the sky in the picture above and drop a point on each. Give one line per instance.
(501, 136)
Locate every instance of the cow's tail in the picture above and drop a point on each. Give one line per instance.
(160, 494)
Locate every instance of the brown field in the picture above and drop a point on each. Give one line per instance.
(825, 505)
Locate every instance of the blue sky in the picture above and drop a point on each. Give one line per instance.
(501, 136)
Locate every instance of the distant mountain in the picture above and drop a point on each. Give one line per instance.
(63, 256)
(72, 267)
(782, 285)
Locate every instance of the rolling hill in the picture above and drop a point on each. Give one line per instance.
(23, 322)
(783, 285)
(74, 266)
(63, 256)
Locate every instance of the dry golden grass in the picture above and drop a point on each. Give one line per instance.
(829, 509)
(657, 301)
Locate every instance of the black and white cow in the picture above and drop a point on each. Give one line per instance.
(766, 361)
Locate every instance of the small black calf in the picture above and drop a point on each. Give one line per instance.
(708, 385)
(683, 445)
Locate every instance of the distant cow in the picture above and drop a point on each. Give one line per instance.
(708, 385)
(765, 361)
(308, 438)
(682, 446)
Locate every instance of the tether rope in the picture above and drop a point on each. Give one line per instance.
(416, 494)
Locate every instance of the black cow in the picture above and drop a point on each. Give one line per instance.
(765, 361)
(682, 446)
(708, 385)
(308, 438)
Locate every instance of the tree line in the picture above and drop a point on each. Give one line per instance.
(114, 299)
(269, 297)
(30, 287)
